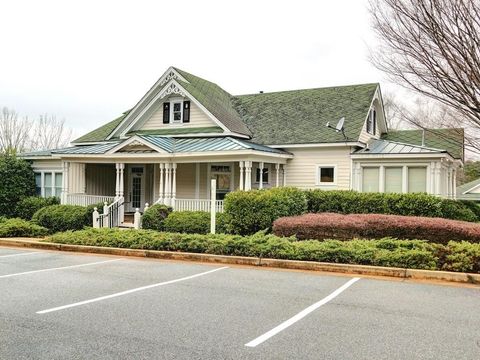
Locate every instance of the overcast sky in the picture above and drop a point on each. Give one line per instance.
(88, 61)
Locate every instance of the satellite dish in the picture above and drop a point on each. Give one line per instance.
(339, 126)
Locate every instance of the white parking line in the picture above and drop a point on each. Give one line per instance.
(129, 291)
(300, 315)
(20, 254)
(57, 268)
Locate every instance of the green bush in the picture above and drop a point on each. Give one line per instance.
(63, 217)
(414, 254)
(17, 181)
(473, 206)
(247, 212)
(21, 228)
(155, 216)
(30, 205)
(352, 202)
(193, 222)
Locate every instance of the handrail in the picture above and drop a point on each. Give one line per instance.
(112, 214)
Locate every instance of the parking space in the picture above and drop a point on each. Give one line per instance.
(68, 306)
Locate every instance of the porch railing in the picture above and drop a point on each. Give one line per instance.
(112, 215)
(196, 205)
(85, 200)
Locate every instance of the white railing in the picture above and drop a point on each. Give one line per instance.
(112, 215)
(196, 205)
(85, 200)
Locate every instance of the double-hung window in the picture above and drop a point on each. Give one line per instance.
(176, 111)
(372, 122)
(48, 183)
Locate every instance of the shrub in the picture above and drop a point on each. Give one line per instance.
(384, 252)
(21, 228)
(247, 212)
(473, 206)
(375, 226)
(17, 181)
(352, 202)
(155, 216)
(30, 205)
(63, 217)
(462, 256)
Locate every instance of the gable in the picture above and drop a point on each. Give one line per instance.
(380, 123)
(300, 116)
(154, 121)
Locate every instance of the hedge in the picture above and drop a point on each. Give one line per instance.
(155, 216)
(64, 217)
(21, 228)
(193, 222)
(416, 254)
(30, 205)
(247, 212)
(375, 226)
(352, 202)
(17, 181)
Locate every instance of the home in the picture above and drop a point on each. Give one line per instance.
(186, 130)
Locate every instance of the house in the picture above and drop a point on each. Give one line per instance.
(186, 130)
(469, 191)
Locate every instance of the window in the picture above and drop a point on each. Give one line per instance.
(417, 179)
(177, 111)
(326, 175)
(393, 179)
(370, 179)
(265, 175)
(51, 184)
(372, 122)
(38, 184)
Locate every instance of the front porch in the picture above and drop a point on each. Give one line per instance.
(183, 186)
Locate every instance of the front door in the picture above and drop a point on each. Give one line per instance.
(136, 191)
(223, 175)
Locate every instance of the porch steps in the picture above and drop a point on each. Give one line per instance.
(126, 226)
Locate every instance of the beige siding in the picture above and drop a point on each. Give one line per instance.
(197, 119)
(186, 181)
(100, 179)
(302, 169)
(76, 178)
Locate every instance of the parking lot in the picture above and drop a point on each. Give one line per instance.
(58, 305)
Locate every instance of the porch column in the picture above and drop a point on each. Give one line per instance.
(117, 181)
(438, 169)
(277, 174)
(174, 183)
(284, 174)
(241, 165)
(83, 174)
(167, 184)
(404, 179)
(248, 175)
(260, 167)
(160, 189)
(454, 183)
(63, 198)
(121, 180)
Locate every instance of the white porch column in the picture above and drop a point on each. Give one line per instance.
(241, 165)
(438, 169)
(117, 181)
(63, 198)
(160, 188)
(284, 174)
(404, 179)
(277, 175)
(121, 180)
(381, 184)
(248, 175)
(167, 184)
(83, 174)
(260, 167)
(174, 183)
(454, 183)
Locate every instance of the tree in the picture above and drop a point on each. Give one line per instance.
(14, 131)
(49, 133)
(17, 181)
(433, 48)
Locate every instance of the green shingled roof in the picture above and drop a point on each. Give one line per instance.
(102, 132)
(450, 140)
(299, 116)
(215, 99)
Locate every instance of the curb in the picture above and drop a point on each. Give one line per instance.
(253, 261)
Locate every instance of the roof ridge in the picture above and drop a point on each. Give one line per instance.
(306, 89)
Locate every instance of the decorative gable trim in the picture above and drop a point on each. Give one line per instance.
(170, 74)
(173, 87)
(135, 141)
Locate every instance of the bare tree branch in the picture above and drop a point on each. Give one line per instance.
(14, 131)
(49, 133)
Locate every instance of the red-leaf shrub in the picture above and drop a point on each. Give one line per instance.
(375, 226)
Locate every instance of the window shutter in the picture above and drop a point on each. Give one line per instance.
(166, 113)
(186, 111)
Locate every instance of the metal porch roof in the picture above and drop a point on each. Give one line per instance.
(385, 147)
